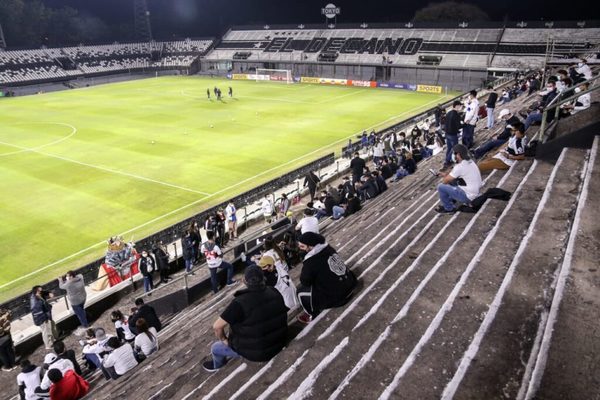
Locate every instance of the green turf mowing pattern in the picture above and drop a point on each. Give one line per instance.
(81, 165)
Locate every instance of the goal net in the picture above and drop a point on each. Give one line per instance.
(275, 75)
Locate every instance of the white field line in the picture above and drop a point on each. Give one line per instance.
(282, 378)
(225, 381)
(105, 169)
(339, 97)
(473, 348)
(305, 388)
(447, 306)
(73, 132)
(160, 217)
(565, 270)
(253, 379)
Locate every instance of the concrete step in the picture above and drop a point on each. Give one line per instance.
(509, 327)
(568, 360)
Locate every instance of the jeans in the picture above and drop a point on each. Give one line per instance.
(467, 135)
(7, 352)
(487, 146)
(450, 192)
(531, 118)
(148, 285)
(188, 264)
(490, 117)
(79, 311)
(213, 275)
(93, 358)
(338, 212)
(451, 141)
(220, 353)
(401, 173)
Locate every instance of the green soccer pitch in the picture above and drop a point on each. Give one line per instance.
(131, 158)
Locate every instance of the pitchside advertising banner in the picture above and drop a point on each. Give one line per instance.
(340, 82)
(429, 89)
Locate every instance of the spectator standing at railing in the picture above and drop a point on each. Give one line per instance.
(74, 285)
(470, 120)
(162, 261)
(7, 351)
(490, 105)
(41, 311)
(187, 247)
(437, 114)
(231, 213)
(378, 152)
(266, 207)
(214, 259)
(284, 206)
(147, 265)
(220, 227)
(195, 235)
(453, 126)
(312, 181)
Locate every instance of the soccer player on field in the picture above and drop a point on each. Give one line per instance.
(208, 93)
(230, 91)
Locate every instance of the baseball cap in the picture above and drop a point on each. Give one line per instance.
(266, 260)
(50, 358)
(504, 112)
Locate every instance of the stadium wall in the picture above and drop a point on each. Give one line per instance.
(457, 79)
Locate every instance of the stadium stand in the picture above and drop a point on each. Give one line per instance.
(27, 66)
(458, 47)
(455, 301)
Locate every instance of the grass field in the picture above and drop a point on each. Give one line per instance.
(132, 158)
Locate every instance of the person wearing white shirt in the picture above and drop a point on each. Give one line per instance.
(471, 116)
(450, 191)
(267, 209)
(28, 379)
(146, 341)
(120, 360)
(584, 69)
(515, 150)
(309, 223)
(230, 212)
(52, 361)
(583, 102)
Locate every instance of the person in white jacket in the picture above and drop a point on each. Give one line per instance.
(471, 116)
(267, 208)
(278, 278)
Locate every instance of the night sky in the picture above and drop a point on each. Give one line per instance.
(195, 18)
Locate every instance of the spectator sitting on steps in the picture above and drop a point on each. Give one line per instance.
(144, 311)
(67, 385)
(325, 281)
(514, 151)
(309, 223)
(462, 184)
(498, 140)
(257, 321)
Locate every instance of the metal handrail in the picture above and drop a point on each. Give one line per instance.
(556, 103)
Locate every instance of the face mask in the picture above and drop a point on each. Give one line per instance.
(580, 65)
(453, 158)
(577, 90)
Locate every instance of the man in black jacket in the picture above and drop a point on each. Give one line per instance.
(312, 181)
(490, 105)
(498, 140)
(453, 126)
(358, 167)
(257, 320)
(144, 311)
(547, 97)
(325, 281)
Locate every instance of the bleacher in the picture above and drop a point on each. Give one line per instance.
(449, 306)
(462, 46)
(23, 66)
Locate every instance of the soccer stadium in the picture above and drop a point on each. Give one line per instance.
(207, 200)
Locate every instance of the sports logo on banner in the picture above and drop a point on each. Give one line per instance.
(429, 89)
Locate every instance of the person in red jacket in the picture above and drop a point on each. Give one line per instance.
(69, 386)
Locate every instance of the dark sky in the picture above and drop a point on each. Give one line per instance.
(183, 18)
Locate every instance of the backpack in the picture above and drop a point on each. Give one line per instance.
(531, 148)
